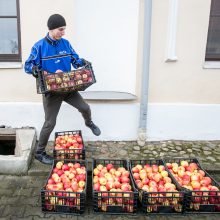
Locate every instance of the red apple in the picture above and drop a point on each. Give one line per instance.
(81, 184)
(96, 186)
(184, 163)
(125, 179)
(206, 181)
(161, 168)
(136, 176)
(59, 165)
(102, 181)
(109, 166)
(135, 170)
(155, 168)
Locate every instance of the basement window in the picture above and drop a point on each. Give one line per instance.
(7, 144)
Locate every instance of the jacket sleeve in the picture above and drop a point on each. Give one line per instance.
(33, 60)
(75, 60)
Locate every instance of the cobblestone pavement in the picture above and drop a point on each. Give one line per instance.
(20, 195)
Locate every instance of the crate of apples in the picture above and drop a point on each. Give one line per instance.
(65, 188)
(158, 191)
(69, 145)
(203, 191)
(113, 188)
(75, 80)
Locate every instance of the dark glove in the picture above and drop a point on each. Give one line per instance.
(35, 71)
(85, 62)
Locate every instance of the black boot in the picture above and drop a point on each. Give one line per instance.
(96, 131)
(44, 158)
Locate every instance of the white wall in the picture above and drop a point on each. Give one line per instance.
(106, 33)
(185, 80)
(120, 121)
(180, 121)
(116, 121)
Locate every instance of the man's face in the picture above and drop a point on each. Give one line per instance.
(58, 33)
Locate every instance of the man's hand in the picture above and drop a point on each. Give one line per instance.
(85, 62)
(35, 71)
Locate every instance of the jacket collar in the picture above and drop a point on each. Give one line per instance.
(51, 41)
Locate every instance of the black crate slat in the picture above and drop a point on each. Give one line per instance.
(195, 195)
(152, 202)
(123, 207)
(63, 196)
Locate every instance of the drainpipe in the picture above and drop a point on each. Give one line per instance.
(145, 73)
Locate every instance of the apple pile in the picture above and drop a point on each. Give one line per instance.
(161, 191)
(65, 81)
(64, 186)
(190, 176)
(68, 146)
(114, 187)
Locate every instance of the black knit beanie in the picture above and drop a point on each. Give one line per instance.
(56, 21)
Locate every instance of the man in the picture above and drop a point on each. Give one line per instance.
(55, 54)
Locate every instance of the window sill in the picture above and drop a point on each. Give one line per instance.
(108, 96)
(11, 65)
(211, 65)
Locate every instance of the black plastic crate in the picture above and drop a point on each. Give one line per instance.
(69, 152)
(157, 201)
(75, 80)
(64, 201)
(199, 201)
(114, 201)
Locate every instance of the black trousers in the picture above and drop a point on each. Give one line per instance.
(52, 103)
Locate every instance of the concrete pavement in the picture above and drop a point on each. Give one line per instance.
(20, 198)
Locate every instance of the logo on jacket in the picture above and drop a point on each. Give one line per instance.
(62, 52)
(57, 61)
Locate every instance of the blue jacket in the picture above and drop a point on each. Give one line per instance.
(51, 55)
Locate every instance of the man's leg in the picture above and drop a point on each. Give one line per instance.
(51, 103)
(76, 100)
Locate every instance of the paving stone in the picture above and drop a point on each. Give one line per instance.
(136, 148)
(189, 150)
(4, 200)
(182, 152)
(211, 158)
(5, 184)
(196, 149)
(207, 152)
(122, 152)
(206, 148)
(37, 182)
(17, 218)
(33, 211)
(6, 192)
(178, 148)
(35, 192)
(2, 207)
(13, 211)
(136, 152)
(49, 218)
(34, 200)
(192, 155)
(2, 177)
(15, 181)
(23, 192)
